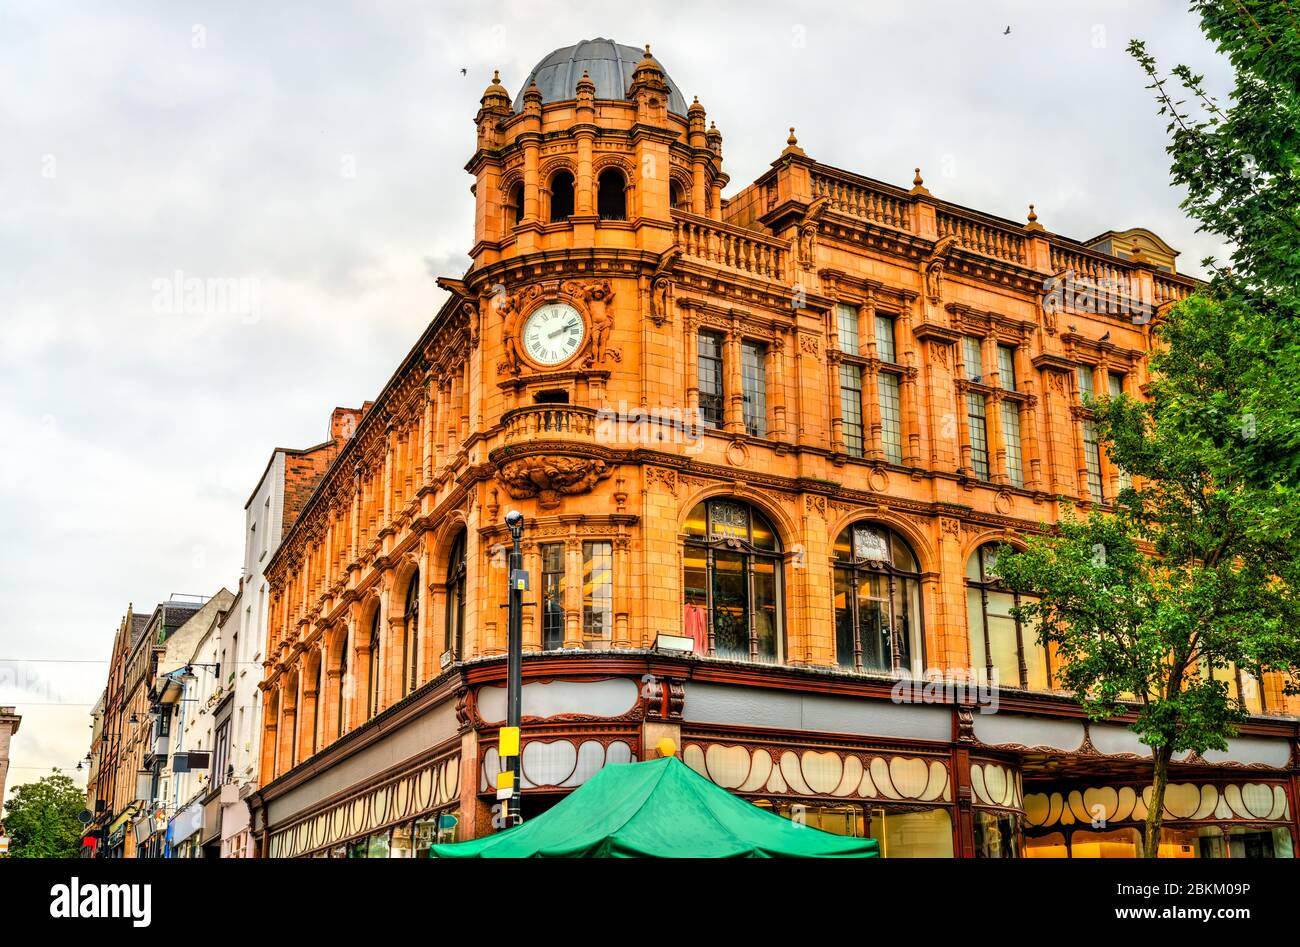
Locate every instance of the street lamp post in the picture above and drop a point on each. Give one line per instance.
(515, 660)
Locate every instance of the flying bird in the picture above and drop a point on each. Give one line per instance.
(464, 72)
(1007, 31)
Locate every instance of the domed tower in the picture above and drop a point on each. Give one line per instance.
(598, 135)
(582, 182)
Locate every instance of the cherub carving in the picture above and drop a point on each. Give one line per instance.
(510, 307)
(597, 295)
(808, 233)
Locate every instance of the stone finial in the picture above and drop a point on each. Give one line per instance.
(495, 95)
(918, 183)
(792, 141)
(1031, 222)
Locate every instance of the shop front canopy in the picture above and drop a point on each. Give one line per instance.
(657, 809)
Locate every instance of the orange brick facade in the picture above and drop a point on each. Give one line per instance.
(794, 279)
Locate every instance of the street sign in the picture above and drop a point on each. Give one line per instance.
(84, 816)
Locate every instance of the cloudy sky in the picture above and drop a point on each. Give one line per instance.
(312, 154)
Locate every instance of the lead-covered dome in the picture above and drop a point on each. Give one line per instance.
(609, 64)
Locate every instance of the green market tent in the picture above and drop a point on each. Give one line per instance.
(657, 809)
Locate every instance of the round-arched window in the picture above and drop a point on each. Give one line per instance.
(732, 582)
(878, 625)
(1004, 649)
(611, 195)
(561, 196)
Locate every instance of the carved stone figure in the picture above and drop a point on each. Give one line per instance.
(597, 295)
(548, 477)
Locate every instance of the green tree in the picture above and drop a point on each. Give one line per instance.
(41, 818)
(1196, 570)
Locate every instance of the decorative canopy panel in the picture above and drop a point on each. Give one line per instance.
(843, 775)
(406, 797)
(1251, 802)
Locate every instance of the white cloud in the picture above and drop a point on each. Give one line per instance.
(132, 437)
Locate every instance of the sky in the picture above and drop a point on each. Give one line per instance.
(308, 159)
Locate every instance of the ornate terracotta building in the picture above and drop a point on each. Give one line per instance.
(763, 444)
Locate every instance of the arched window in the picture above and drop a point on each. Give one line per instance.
(561, 196)
(456, 598)
(372, 682)
(1002, 648)
(675, 195)
(341, 724)
(878, 624)
(611, 195)
(516, 206)
(732, 582)
(411, 634)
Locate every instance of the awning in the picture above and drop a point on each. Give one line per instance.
(657, 809)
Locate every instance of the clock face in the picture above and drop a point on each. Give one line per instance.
(553, 333)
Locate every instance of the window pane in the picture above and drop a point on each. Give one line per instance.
(1002, 639)
(904, 834)
(979, 660)
(597, 591)
(402, 845)
(710, 380)
(1086, 389)
(851, 408)
(378, 847)
(979, 438)
(695, 578)
(1007, 367)
(907, 620)
(754, 372)
(891, 428)
(1011, 440)
(971, 357)
(552, 596)
(997, 834)
(886, 347)
(730, 606)
(767, 618)
(1092, 458)
(844, 637)
(1116, 384)
(873, 622)
(846, 322)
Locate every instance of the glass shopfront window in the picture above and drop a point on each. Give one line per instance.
(1250, 842)
(910, 833)
(997, 834)
(845, 819)
(1112, 843)
(1053, 845)
(379, 844)
(401, 845)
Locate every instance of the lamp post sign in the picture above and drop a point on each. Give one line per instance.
(508, 788)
